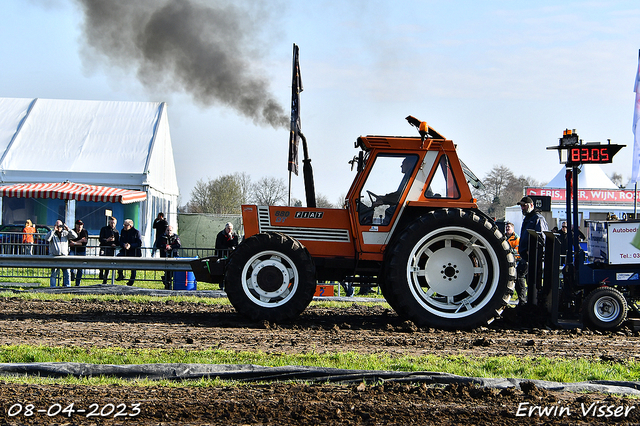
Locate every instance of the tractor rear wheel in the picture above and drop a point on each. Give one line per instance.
(451, 269)
(605, 308)
(270, 276)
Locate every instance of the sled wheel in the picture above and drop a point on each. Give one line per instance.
(450, 268)
(270, 276)
(605, 308)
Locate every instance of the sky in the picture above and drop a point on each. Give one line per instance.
(502, 79)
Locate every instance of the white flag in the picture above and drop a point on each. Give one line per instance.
(635, 166)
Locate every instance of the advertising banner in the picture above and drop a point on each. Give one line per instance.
(619, 236)
(594, 196)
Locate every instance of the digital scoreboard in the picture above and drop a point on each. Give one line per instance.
(573, 153)
(592, 154)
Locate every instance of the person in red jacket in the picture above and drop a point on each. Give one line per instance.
(27, 237)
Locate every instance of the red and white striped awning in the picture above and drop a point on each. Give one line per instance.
(73, 191)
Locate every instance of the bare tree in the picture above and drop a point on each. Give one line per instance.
(617, 179)
(502, 189)
(323, 201)
(495, 183)
(244, 180)
(269, 191)
(200, 201)
(222, 195)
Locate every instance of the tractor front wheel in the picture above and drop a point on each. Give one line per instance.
(270, 276)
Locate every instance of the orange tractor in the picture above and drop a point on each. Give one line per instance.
(409, 223)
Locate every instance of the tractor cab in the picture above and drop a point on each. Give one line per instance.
(399, 178)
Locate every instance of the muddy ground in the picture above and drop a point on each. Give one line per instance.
(354, 328)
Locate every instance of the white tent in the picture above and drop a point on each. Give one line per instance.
(117, 144)
(591, 176)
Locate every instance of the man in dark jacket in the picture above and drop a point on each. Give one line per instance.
(78, 247)
(169, 244)
(160, 225)
(226, 239)
(109, 239)
(130, 243)
(535, 221)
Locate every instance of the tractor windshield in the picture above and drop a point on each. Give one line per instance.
(472, 179)
(383, 188)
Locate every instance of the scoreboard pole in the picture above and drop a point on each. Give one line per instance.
(573, 153)
(576, 225)
(635, 200)
(570, 175)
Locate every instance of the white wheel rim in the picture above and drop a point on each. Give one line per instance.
(270, 279)
(607, 309)
(453, 272)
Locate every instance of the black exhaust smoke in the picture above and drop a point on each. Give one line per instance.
(208, 49)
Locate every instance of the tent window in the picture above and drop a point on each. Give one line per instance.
(16, 210)
(93, 214)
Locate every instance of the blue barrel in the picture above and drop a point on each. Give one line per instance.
(184, 280)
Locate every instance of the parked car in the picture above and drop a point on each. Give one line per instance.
(11, 239)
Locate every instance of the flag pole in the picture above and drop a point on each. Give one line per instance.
(296, 88)
(289, 202)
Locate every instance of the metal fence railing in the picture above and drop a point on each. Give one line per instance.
(16, 263)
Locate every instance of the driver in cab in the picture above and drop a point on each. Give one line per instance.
(391, 199)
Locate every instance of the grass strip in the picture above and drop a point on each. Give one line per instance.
(14, 277)
(113, 297)
(146, 299)
(552, 369)
(116, 381)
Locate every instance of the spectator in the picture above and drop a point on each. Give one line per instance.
(348, 288)
(564, 241)
(168, 245)
(563, 236)
(512, 238)
(58, 239)
(535, 221)
(109, 239)
(160, 225)
(130, 243)
(78, 248)
(226, 239)
(27, 237)
(366, 285)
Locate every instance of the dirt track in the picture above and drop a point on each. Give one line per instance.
(355, 328)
